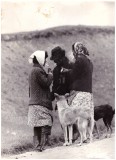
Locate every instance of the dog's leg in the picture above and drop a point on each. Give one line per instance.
(107, 127)
(110, 130)
(70, 134)
(65, 136)
(85, 123)
(81, 138)
(110, 127)
(79, 123)
(96, 128)
(107, 132)
(91, 128)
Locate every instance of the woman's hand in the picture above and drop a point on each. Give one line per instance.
(63, 70)
(49, 70)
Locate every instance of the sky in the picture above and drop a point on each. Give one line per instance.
(29, 15)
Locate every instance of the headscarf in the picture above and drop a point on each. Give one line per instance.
(40, 56)
(79, 48)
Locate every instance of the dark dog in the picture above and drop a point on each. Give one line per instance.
(106, 112)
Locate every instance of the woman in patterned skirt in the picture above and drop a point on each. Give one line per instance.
(40, 104)
(81, 80)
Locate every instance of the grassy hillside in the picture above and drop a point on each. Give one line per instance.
(15, 50)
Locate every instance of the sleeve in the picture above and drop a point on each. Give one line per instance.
(77, 68)
(55, 82)
(92, 66)
(44, 79)
(55, 79)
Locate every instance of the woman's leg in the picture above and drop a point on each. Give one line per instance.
(37, 136)
(45, 132)
(43, 138)
(48, 136)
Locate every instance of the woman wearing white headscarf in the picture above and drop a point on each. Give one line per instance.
(40, 104)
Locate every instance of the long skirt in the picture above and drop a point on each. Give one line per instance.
(84, 102)
(39, 116)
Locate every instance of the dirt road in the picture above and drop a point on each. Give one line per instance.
(102, 149)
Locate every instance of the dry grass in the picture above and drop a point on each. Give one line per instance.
(16, 48)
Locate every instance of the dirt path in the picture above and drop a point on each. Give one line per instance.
(102, 149)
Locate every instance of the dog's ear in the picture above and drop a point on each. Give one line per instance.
(56, 95)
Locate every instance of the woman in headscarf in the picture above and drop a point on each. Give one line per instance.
(40, 104)
(82, 69)
(81, 80)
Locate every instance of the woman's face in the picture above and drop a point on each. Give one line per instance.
(74, 54)
(77, 49)
(46, 56)
(57, 60)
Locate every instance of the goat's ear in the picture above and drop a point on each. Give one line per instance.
(67, 95)
(56, 95)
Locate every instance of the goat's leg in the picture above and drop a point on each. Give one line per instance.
(65, 136)
(70, 134)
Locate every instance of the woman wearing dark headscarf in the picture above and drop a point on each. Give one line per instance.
(40, 104)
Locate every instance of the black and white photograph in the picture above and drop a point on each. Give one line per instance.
(57, 79)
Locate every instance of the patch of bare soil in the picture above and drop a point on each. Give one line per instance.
(101, 149)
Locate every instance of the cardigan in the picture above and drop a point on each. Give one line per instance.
(81, 74)
(39, 87)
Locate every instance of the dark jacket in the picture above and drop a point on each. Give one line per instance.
(81, 75)
(61, 81)
(39, 87)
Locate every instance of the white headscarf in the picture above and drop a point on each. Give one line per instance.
(40, 56)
